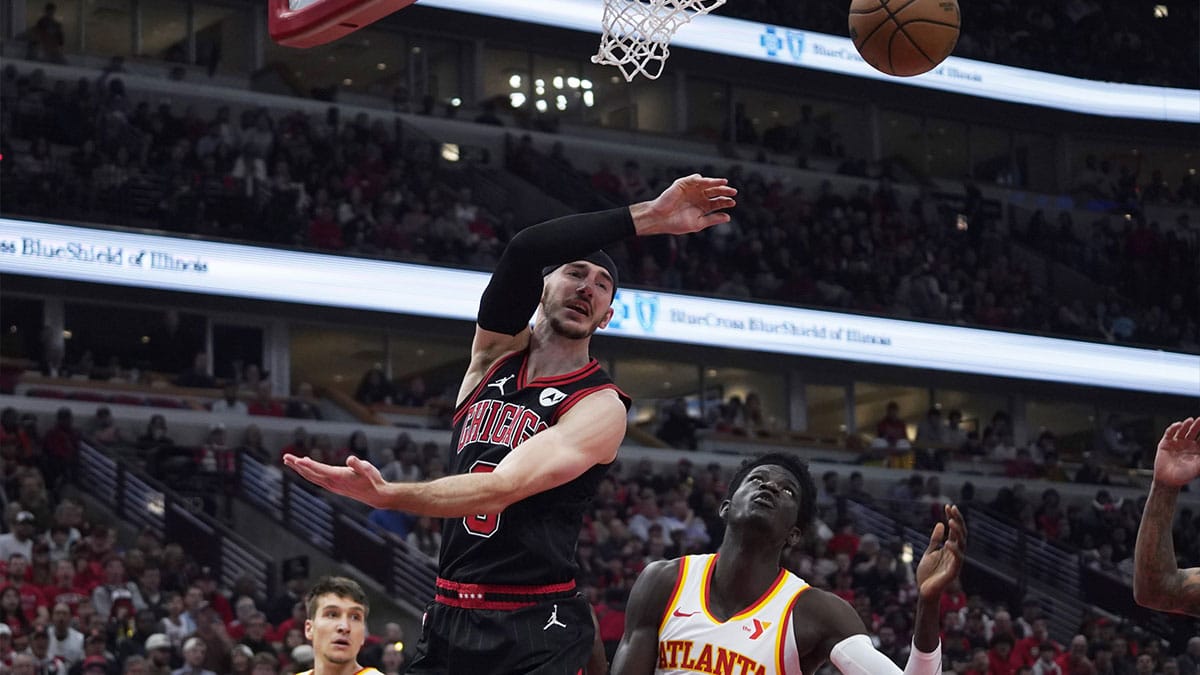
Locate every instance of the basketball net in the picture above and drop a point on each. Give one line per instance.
(637, 33)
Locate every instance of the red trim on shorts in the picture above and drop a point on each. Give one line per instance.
(570, 401)
(506, 590)
(470, 400)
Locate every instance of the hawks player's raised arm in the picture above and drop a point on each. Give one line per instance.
(648, 602)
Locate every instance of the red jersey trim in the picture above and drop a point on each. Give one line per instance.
(679, 579)
(462, 407)
(706, 581)
(783, 630)
(570, 401)
(566, 378)
(508, 590)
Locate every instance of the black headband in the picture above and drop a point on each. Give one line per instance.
(599, 258)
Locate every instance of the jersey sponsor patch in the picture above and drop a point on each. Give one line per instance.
(550, 396)
(756, 628)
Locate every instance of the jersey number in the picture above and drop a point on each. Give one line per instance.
(482, 524)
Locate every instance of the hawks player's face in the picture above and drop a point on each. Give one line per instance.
(769, 495)
(577, 299)
(337, 630)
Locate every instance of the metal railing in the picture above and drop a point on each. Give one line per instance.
(1033, 569)
(342, 533)
(143, 502)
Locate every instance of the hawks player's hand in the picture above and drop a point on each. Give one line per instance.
(691, 204)
(944, 557)
(358, 480)
(1177, 462)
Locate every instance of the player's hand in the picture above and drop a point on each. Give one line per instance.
(944, 557)
(691, 204)
(358, 480)
(1177, 461)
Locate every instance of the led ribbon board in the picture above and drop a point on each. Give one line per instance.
(237, 270)
(794, 47)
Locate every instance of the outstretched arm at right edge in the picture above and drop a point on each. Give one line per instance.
(1158, 583)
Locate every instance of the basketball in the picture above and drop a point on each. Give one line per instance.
(904, 37)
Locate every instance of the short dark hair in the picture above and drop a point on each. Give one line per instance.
(343, 587)
(807, 498)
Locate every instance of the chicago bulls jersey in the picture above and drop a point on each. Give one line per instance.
(759, 640)
(533, 541)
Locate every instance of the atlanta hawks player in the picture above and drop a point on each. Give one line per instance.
(738, 612)
(537, 424)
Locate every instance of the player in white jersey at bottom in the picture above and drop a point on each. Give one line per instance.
(336, 626)
(740, 612)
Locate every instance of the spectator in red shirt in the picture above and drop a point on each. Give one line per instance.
(1030, 647)
(207, 583)
(324, 232)
(11, 613)
(845, 541)
(300, 445)
(64, 590)
(953, 599)
(31, 596)
(611, 618)
(891, 428)
(978, 665)
(13, 438)
(1075, 661)
(61, 450)
(265, 404)
(1002, 658)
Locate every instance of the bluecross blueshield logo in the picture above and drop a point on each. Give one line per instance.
(620, 310)
(774, 44)
(646, 308)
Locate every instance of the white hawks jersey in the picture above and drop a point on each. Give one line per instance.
(758, 640)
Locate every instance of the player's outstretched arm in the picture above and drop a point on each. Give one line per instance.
(1158, 583)
(854, 654)
(638, 652)
(588, 434)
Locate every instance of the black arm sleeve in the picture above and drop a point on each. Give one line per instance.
(515, 289)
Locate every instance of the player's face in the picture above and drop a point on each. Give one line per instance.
(577, 299)
(769, 494)
(337, 630)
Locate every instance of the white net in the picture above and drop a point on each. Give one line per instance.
(637, 33)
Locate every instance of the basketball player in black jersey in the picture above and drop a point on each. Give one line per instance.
(536, 426)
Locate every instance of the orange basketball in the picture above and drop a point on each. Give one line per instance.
(904, 37)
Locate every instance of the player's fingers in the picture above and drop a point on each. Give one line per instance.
(717, 203)
(935, 538)
(1172, 431)
(714, 219)
(1179, 429)
(720, 191)
(1193, 429)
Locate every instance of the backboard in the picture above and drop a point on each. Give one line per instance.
(308, 23)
